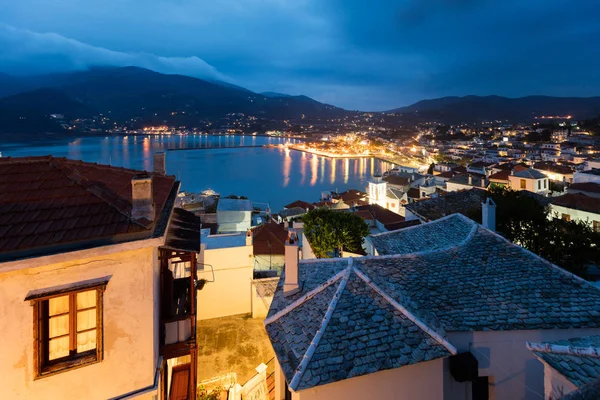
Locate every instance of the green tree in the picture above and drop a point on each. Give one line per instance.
(430, 170)
(521, 218)
(330, 232)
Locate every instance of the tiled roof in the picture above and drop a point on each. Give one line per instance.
(577, 359)
(401, 225)
(413, 193)
(591, 187)
(395, 193)
(46, 202)
(463, 179)
(396, 180)
(183, 232)
(455, 202)
(347, 328)
(578, 201)
(301, 204)
(351, 195)
(478, 282)
(293, 212)
(530, 174)
(480, 164)
(269, 239)
(560, 169)
(446, 175)
(381, 214)
(500, 176)
(443, 233)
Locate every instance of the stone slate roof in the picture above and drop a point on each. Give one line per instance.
(589, 187)
(424, 237)
(577, 359)
(184, 231)
(454, 202)
(530, 174)
(346, 329)
(463, 179)
(478, 282)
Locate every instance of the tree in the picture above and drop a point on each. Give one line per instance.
(573, 245)
(332, 232)
(430, 170)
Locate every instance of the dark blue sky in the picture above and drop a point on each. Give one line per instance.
(357, 54)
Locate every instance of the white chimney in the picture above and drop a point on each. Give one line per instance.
(159, 163)
(291, 284)
(470, 180)
(142, 201)
(488, 214)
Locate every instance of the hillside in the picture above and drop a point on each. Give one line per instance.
(136, 93)
(471, 109)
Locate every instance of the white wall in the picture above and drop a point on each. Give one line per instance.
(262, 296)
(514, 370)
(130, 334)
(306, 250)
(555, 384)
(580, 177)
(230, 293)
(579, 215)
(531, 184)
(234, 221)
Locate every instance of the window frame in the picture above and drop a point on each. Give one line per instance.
(42, 366)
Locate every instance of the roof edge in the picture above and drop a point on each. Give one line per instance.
(589, 351)
(317, 338)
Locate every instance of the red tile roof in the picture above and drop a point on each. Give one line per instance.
(578, 201)
(269, 239)
(396, 180)
(590, 187)
(500, 176)
(381, 214)
(47, 202)
(301, 204)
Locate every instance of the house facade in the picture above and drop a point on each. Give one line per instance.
(530, 180)
(92, 263)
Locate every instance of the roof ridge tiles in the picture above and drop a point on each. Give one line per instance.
(574, 350)
(317, 338)
(413, 318)
(298, 302)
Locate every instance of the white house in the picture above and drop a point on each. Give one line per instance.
(234, 215)
(444, 312)
(530, 180)
(577, 207)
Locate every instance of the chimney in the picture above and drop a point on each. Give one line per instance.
(159, 163)
(142, 201)
(291, 284)
(488, 214)
(470, 180)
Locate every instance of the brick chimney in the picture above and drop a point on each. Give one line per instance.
(142, 201)
(159, 163)
(291, 285)
(488, 214)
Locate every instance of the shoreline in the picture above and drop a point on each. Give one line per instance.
(411, 164)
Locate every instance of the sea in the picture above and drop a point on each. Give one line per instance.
(227, 164)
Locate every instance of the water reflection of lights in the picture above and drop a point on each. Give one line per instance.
(346, 170)
(314, 164)
(147, 154)
(287, 166)
(322, 177)
(333, 164)
(303, 168)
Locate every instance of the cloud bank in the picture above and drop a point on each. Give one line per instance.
(27, 52)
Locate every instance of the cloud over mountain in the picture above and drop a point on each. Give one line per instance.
(27, 52)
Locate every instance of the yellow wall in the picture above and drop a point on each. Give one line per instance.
(130, 312)
(419, 381)
(230, 293)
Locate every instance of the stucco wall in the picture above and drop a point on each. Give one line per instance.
(230, 293)
(130, 342)
(531, 185)
(514, 370)
(268, 261)
(419, 381)
(555, 384)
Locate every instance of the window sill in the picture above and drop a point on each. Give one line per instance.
(67, 365)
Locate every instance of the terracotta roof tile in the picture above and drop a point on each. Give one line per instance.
(269, 239)
(48, 201)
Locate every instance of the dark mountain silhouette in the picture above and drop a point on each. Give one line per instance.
(471, 109)
(275, 94)
(132, 92)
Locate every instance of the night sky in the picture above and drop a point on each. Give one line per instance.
(368, 55)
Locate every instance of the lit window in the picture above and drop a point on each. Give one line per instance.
(566, 217)
(523, 184)
(68, 329)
